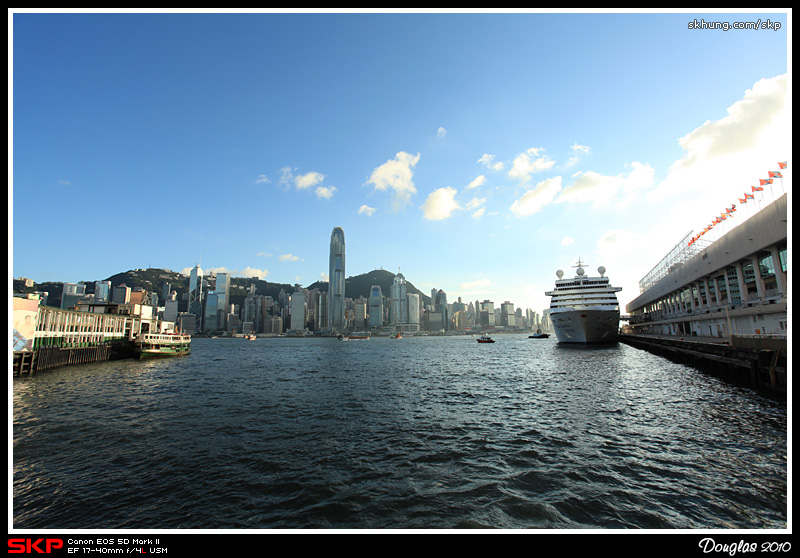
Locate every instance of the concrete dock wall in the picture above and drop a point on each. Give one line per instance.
(758, 364)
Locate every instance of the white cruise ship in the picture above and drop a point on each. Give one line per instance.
(584, 309)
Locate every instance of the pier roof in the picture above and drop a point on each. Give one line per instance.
(767, 227)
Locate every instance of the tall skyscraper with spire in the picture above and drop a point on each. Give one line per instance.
(196, 296)
(336, 281)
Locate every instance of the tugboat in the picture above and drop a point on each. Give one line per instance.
(485, 339)
(539, 335)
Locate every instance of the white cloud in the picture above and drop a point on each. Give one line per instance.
(440, 204)
(536, 198)
(567, 241)
(479, 213)
(488, 160)
(262, 179)
(366, 210)
(601, 189)
(475, 203)
(723, 158)
(578, 149)
(478, 182)
(396, 175)
(729, 153)
(477, 287)
(529, 162)
(325, 191)
(289, 258)
(441, 132)
(253, 272)
(305, 181)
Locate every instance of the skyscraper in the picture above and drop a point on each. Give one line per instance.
(336, 281)
(399, 308)
(223, 290)
(196, 296)
(375, 306)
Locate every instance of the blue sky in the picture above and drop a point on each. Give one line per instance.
(475, 152)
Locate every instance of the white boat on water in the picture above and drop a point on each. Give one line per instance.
(584, 309)
(155, 345)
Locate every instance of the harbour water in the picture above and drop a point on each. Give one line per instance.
(414, 433)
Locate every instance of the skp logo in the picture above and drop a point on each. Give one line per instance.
(29, 546)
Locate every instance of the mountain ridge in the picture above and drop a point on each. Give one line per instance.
(153, 280)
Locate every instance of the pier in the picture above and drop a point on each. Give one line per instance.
(722, 305)
(759, 362)
(45, 337)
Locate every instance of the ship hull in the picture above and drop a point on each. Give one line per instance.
(572, 325)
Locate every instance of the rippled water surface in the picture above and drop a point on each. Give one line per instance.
(429, 432)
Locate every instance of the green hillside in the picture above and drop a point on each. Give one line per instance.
(153, 280)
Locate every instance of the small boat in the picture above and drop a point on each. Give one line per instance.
(398, 336)
(354, 337)
(539, 335)
(251, 336)
(485, 339)
(156, 345)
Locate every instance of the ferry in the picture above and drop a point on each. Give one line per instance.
(584, 309)
(155, 345)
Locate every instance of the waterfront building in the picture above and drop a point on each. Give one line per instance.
(487, 317)
(223, 290)
(375, 306)
(102, 291)
(212, 310)
(360, 314)
(122, 294)
(434, 321)
(322, 305)
(298, 311)
(336, 281)
(734, 287)
(252, 309)
(274, 324)
(404, 307)
(461, 320)
(399, 306)
(171, 310)
(507, 315)
(439, 302)
(413, 302)
(71, 294)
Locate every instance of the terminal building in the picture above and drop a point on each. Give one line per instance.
(734, 288)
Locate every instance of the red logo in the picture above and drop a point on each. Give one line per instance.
(29, 546)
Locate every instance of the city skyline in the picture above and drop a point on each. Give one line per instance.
(475, 153)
